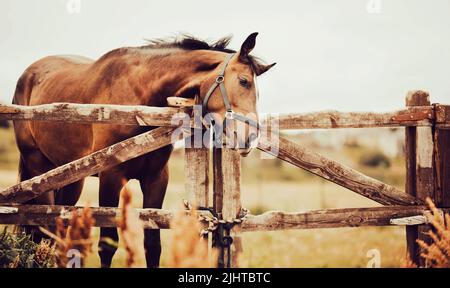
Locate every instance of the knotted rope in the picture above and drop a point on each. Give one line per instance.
(221, 228)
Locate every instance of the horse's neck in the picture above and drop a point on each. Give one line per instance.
(165, 77)
(144, 79)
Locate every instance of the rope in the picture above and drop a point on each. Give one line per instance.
(221, 229)
(214, 221)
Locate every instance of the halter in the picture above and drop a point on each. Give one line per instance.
(219, 82)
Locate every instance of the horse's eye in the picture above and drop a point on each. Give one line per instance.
(243, 82)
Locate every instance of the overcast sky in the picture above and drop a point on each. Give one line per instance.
(345, 55)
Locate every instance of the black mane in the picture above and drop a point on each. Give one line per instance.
(188, 42)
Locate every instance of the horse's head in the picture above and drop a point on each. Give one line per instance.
(229, 93)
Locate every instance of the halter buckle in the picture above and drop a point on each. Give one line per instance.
(220, 79)
(229, 114)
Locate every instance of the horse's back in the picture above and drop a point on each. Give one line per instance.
(41, 70)
(75, 79)
(76, 59)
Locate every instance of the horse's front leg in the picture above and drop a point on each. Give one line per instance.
(154, 189)
(111, 183)
(34, 163)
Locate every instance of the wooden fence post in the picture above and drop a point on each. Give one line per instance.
(218, 181)
(196, 167)
(442, 155)
(419, 171)
(227, 194)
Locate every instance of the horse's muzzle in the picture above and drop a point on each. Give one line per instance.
(245, 147)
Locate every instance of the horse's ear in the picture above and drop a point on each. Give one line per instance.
(262, 68)
(247, 47)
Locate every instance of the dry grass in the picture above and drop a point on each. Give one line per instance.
(18, 250)
(437, 253)
(44, 251)
(77, 237)
(408, 263)
(15, 263)
(188, 249)
(131, 232)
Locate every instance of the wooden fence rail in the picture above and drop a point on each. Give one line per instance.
(95, 113)
(91, 164)
(46, 215)
(335, 172)
(413, 116)
(171, 116)
(334, 218)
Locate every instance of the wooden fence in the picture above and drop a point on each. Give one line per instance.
(427, 140)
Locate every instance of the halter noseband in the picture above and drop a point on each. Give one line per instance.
(219, 82)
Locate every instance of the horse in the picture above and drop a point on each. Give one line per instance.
(145, 75)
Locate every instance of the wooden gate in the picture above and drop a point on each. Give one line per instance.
(427, 169)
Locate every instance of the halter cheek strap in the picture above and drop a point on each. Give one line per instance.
(219, 82)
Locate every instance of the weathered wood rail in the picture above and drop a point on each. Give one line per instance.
(171, 116)
(46, 215)
(413, 116)
(95, 113)
(336, 172)
(90, 164)
(427, 145)
(334, 218)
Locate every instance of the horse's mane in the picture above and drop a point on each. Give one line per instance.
(188, 42)
(184, 42)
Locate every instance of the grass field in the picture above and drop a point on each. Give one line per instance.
(272, 185)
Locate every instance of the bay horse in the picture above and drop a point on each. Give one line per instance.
(146, 75)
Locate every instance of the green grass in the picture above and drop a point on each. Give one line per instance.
(273, 185)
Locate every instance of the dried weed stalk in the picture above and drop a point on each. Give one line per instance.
(437, 253)
(188, 249)
(131, 232)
